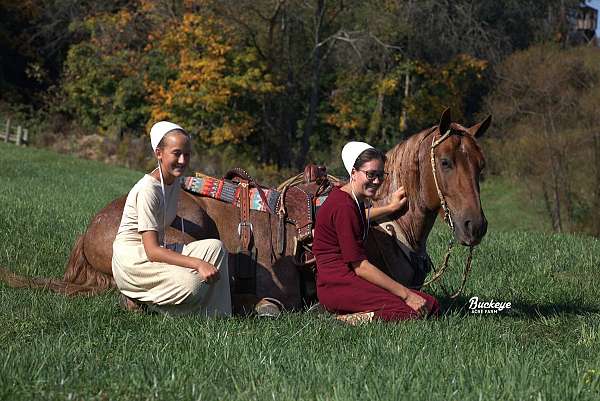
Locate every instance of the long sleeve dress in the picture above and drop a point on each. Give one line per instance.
(167, 288)
(339, 236)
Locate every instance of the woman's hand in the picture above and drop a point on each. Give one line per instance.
(417, 303)
(208, 272)
(397, 203)
(398, 199)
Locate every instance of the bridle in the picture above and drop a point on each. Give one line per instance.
(437, 273)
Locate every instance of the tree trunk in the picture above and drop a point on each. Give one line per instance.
(555, 170)
(550, 208)
(313, 103)
(288, 115)
(404, 115)
(376, 118)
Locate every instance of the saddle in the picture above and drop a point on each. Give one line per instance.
(294, 202)
(298, 203)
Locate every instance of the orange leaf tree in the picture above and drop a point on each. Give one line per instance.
(205, 81)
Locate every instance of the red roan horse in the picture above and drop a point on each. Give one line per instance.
(398, 246)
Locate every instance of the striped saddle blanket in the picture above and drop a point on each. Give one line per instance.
(229, 192)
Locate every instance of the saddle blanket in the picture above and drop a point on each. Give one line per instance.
(229, 192)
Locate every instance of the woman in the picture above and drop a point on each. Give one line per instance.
(346, 281)
(169, 278)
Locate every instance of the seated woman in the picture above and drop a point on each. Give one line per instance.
(169, 278)
(346, 281)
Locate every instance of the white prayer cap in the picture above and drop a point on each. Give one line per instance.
(350, 153)
(159, 130)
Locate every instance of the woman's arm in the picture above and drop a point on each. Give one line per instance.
(373, 275)
(398, 201)
(156, 253)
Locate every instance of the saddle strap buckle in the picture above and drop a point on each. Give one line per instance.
(244, 224)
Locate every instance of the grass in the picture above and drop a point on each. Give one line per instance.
(546, 347)
(509, 208)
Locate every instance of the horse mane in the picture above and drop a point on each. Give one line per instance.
(403, 167)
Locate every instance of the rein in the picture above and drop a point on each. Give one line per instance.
(438, 273)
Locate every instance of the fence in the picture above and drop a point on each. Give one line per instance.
(20, 135)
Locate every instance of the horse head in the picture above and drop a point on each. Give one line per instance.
(451, 152)
(451, 178)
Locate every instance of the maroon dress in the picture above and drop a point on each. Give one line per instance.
(338, 242)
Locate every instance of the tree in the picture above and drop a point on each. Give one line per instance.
(544, 102)
(103, 83)
(212, 86)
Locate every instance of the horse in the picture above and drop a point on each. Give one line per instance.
(456, 161)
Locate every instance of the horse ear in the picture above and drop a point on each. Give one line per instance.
(445, 121)
(478, 129)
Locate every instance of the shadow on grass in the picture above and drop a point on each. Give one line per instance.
(460, 306)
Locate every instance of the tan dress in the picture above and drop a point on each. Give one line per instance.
(167, 288)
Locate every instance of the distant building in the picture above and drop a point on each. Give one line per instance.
(582, 22)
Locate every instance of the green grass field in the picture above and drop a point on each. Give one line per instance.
(546, 347)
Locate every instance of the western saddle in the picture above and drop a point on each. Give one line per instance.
(294, 202)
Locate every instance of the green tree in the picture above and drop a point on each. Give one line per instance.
(103, 81)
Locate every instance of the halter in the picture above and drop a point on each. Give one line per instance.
(448, 219)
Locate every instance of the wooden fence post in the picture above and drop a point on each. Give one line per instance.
(25, 136)
(7, 132)
(19, 135)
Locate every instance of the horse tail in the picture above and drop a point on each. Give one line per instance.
(79, 279)
(79, 270)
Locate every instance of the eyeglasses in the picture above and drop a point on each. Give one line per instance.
(371, 175)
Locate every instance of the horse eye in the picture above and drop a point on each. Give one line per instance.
(446, 163)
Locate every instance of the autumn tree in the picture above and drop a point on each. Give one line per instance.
(544, 104)
(209, 82)
(143, 63)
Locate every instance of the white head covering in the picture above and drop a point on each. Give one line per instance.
(350, 153)
(159, 130)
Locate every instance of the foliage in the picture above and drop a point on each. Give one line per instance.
(544, 103)
(213, 86)
(103, 84)
(191, 70)
(378, 103)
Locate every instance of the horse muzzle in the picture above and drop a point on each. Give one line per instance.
(470, 231)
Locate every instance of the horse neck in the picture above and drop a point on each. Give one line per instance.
(405, 164)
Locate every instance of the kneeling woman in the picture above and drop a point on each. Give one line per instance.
(346, 281)
(170, 278)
